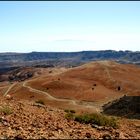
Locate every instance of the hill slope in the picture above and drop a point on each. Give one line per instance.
(85, 88)
(92, 82)
(28, 120)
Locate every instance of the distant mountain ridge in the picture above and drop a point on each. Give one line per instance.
(66, 58)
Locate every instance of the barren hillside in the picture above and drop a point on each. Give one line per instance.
(34, 107)
(92, 82)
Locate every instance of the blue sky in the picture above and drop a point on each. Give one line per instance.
(69, 26)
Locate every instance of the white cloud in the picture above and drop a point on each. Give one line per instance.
(71, 42)
(96, 42)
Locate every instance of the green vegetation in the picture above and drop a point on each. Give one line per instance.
(97, 119)
(40, 102)
(6, 110)
(70, 116)
(93, 118)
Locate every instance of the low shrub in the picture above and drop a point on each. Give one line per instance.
(6, 110)
(97, 119)
(94, 118)
(70, 116)
(50, 71)
(69, 111)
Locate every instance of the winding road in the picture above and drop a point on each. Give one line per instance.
(82, 104)
(9, 88)
(73, 102)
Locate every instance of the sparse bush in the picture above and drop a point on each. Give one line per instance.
(97, 119)
(69, 116)
(69, 111)
(50, 71)
(66, 110)
(1, 119)
(40, 102)
(119, 88)
(6, 110)
(83, 118)
(94, 118)
(72, 111)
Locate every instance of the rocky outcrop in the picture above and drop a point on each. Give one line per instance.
(127, 106)
(19, 74)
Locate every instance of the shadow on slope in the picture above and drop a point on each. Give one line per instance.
(127, 106)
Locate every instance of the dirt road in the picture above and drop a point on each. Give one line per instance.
(73, 102)
(9, 88)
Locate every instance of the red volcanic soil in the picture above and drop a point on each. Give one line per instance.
(28, 120)
(93, 81)
(21, 93)
(99, 82)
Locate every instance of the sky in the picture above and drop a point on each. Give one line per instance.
(68, 26)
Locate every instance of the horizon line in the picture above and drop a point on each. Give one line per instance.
(68, 51)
